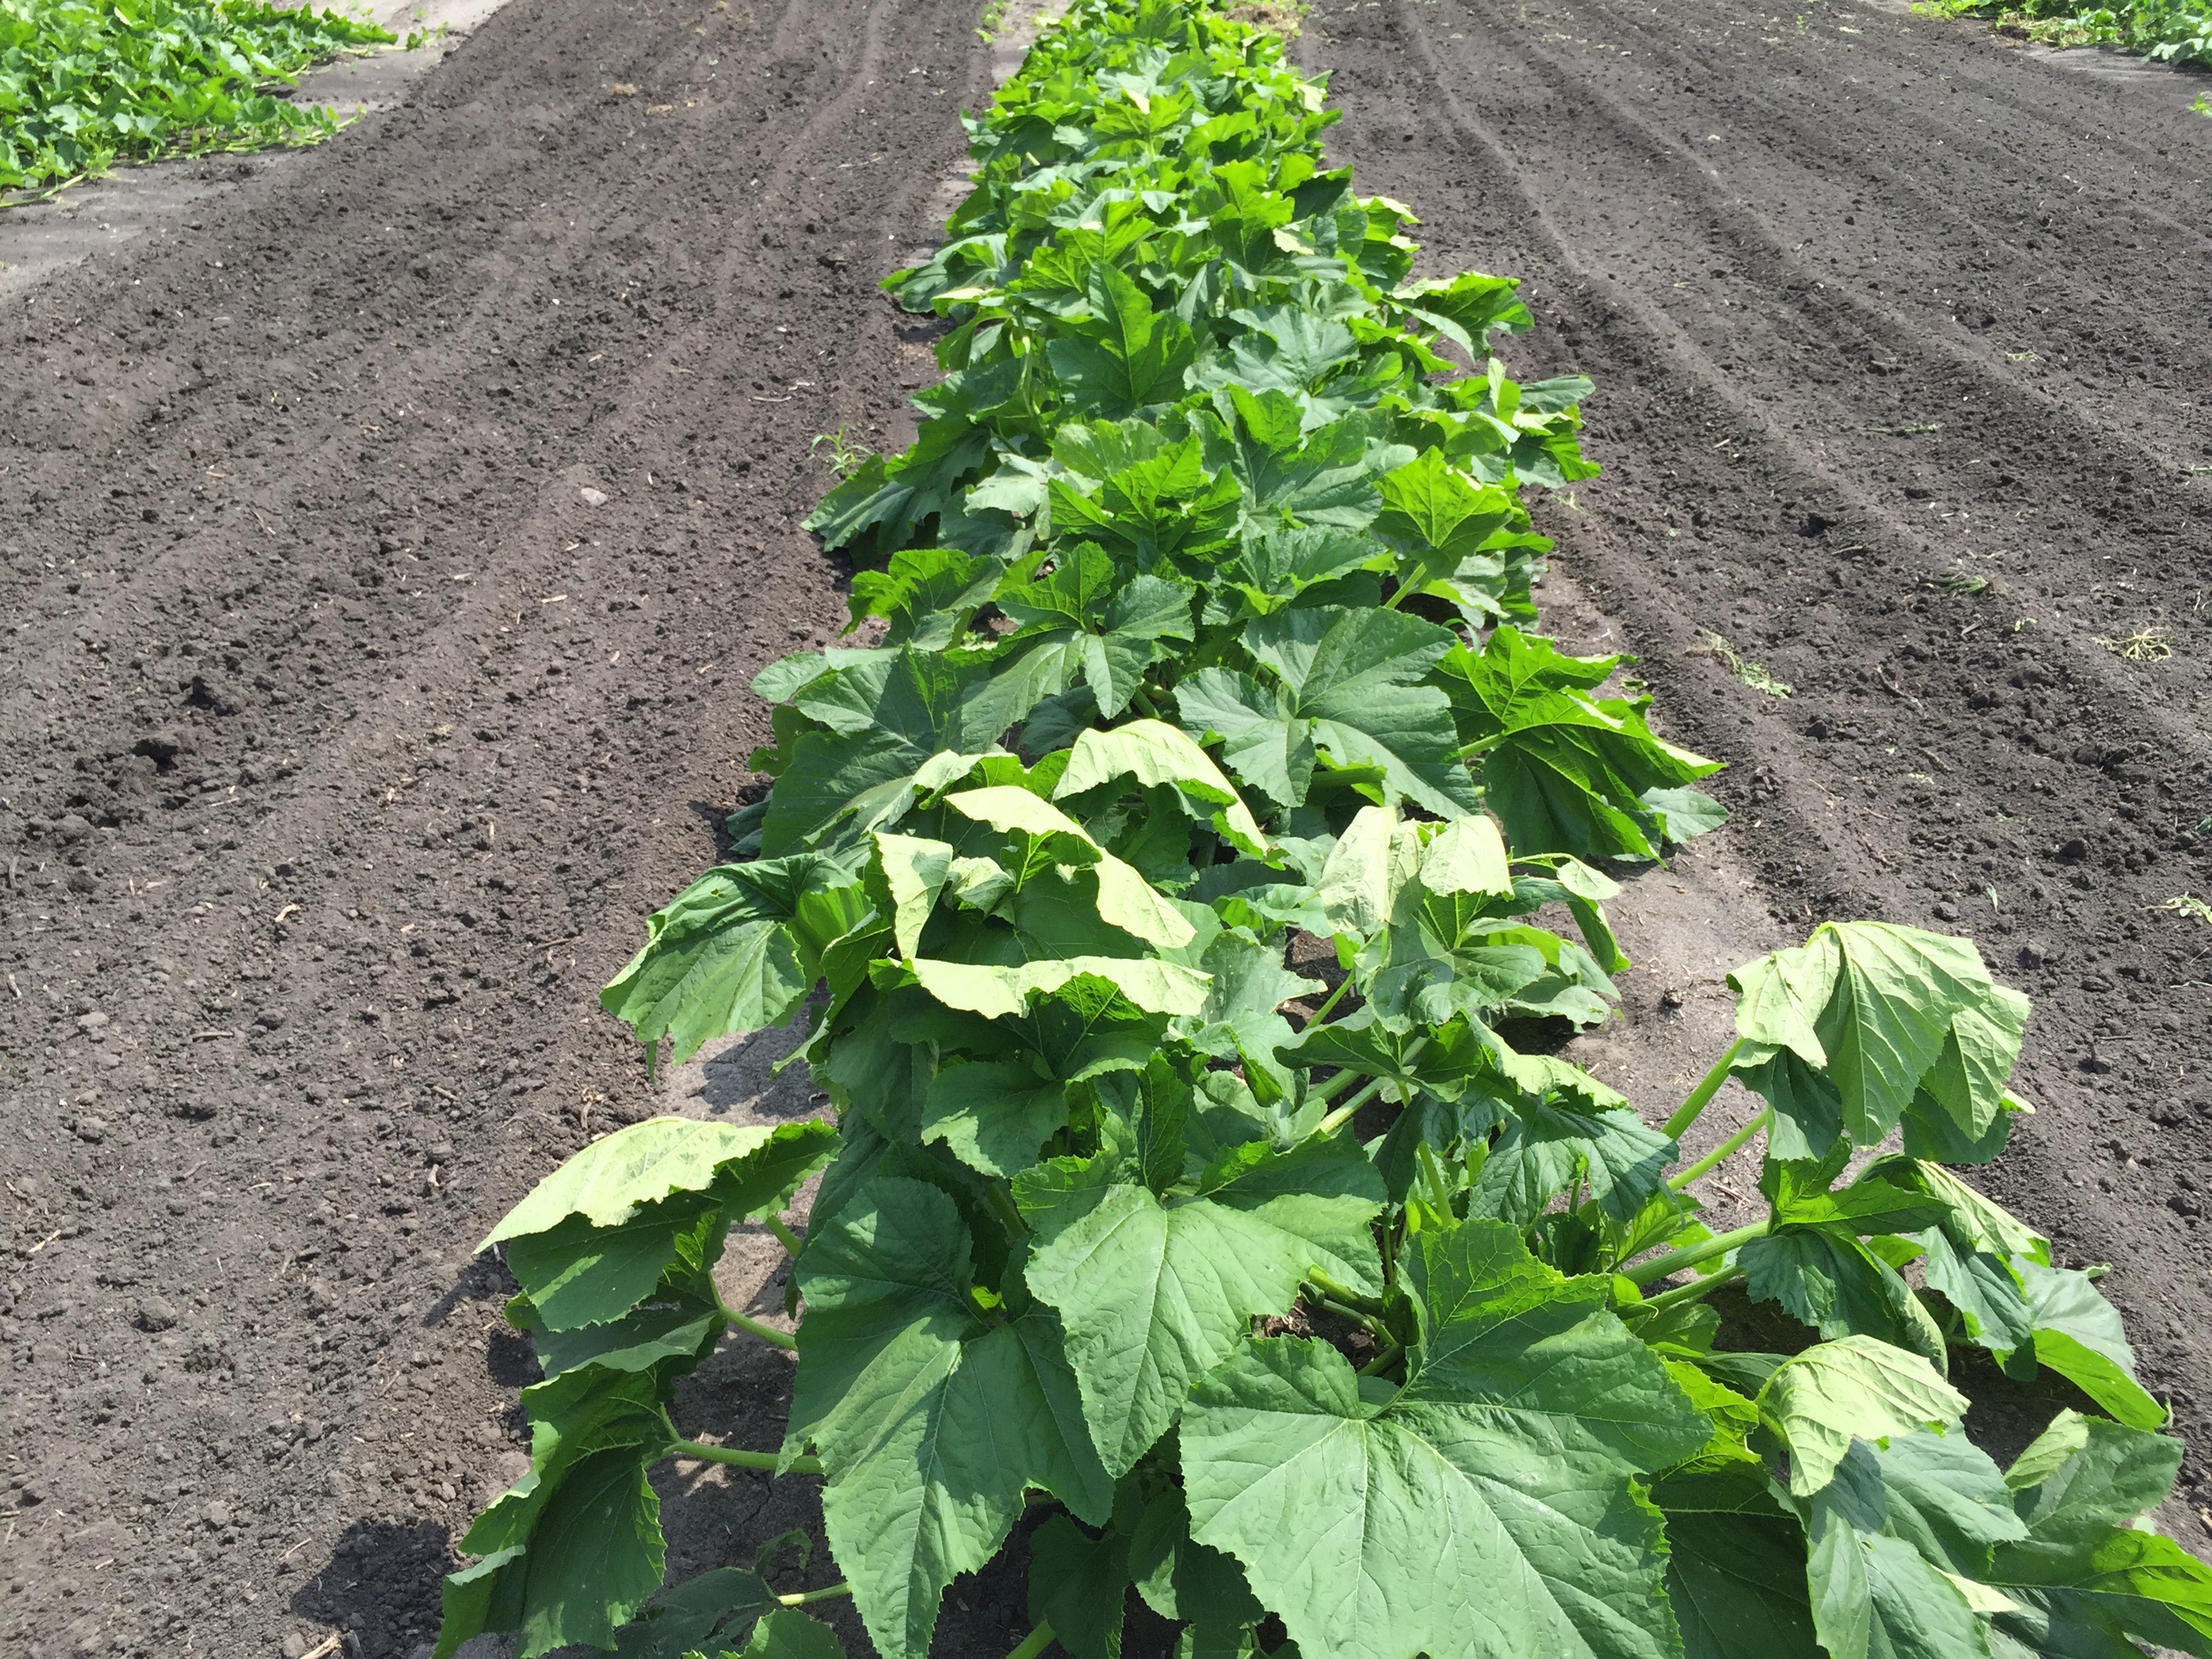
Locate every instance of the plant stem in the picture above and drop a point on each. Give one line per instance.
(1701, 1095)
(1384, 1357)
(768, 1461)
(1359, 1306)
(790, 1240)
(804, 1596)
(1343, 1114)
(1721, 1153)
(1151, 709)
(1034, 1643)
(1690, 1292)
(1335, 996)
(767, 1332)
(1690, 1256)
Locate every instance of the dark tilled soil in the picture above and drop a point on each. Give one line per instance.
(344, 745)
(343, 741)
(1880, 309)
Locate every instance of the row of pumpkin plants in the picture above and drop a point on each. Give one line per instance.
(1198, 677)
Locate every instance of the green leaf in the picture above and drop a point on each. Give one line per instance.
(607, 1182)
(1090, 620)
(1159, 988)
(1885, 1014)
(2079, 1335)
(887, 720)
(1735, 1568)
(574, 1548)
(1816, 1402)
(1181, 1579)
(576, 1274)
(927, 595)
(732, 951)
(2083, 1475)
(1551, 1144)
(1345, 686)
(929, 1420)
(1154, 1293)
(1876, 1595)
(1565, 771)
(994, 1114)
(1128, 357)
(787, 1633)
(1487, 1509)
(685, 1617)
(1079, 1585)
(1153, 753)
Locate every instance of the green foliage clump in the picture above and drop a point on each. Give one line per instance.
(87, 83)
(2170, 31)
(1198, 673)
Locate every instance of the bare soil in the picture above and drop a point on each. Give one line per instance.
(344, 741)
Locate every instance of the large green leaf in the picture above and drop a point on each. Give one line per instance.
(1884, 1014)
(737, 950)
(1344, 683)
(1079, 1585)
(1565, 771)
(1156, 1292)
(1884, 1554)
(1086, 620)
(1487, 1509)
(1735, 1567)
(1126, 358)
(882, 722)
(930, 1418)
(1858, 1388)
(574, 1548)
(1552, 1144)
(579, 1273)
(2086, 1584)
(2079, 1335)
(1153, 753)
(607, 1182)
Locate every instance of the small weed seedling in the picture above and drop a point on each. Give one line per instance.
(2146, 645)
(846, 457)
(1751, 673)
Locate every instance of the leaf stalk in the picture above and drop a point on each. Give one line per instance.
(1691, 1292)
(767, 1334)
(1721, 1153)
(1034, 1643)
(769, 1461)
(1703, 1094)
(1690, 1255)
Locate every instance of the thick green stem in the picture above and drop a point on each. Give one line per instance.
(1703, 1094)
(767, 1332)
(1356, 1305)
(768, 1461)
(1674, 1260)
(1034, 1643)
(1343, 1114)
(1002, 1205)
(789, 1240)
(1690, 1292)
(1383, 1359)
(1721, 1153)
(803, 1597)
(1335, 996)
(1143, 701)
